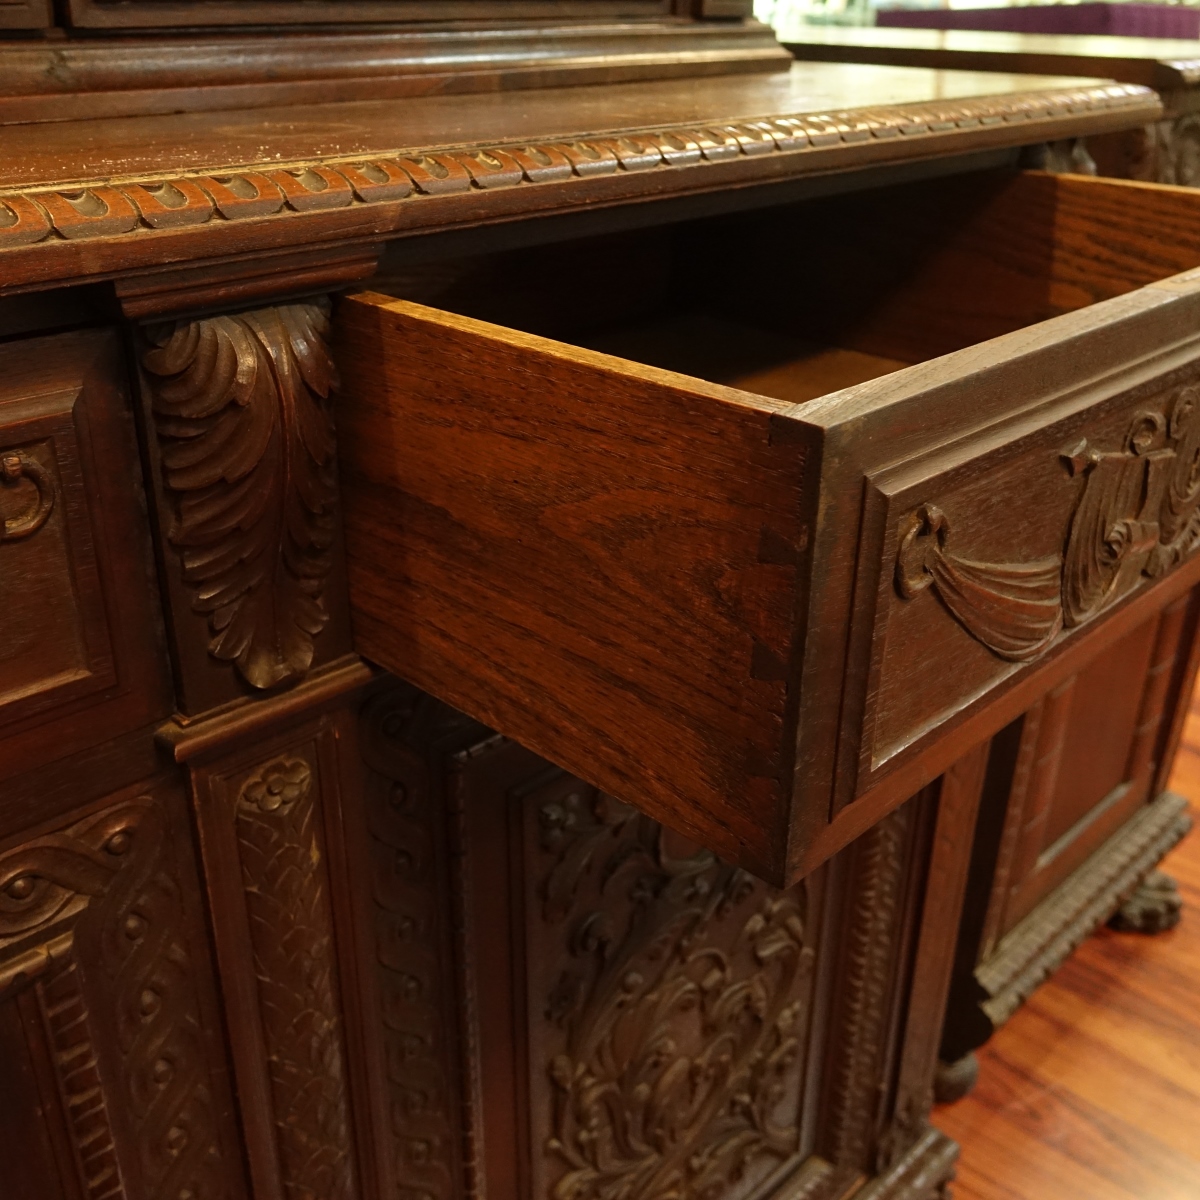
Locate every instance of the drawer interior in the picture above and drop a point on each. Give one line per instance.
(802, 300)
(599, 496)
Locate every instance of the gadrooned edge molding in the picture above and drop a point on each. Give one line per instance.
(114, 208)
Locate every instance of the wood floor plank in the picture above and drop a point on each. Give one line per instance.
(1092, 1090)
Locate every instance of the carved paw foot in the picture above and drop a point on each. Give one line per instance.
(1153, 907)
(954, 1080)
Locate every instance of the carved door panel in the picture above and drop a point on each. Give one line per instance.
(575, 1002)
(1089, 756)
(112, 1065)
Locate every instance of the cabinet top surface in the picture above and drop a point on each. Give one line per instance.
(1158, 62)
(73, 151)
(87, 199)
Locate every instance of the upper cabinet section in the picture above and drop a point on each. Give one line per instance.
(156, 14)
(25, 14)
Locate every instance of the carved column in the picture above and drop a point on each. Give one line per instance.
(239, 432)
(267, 791)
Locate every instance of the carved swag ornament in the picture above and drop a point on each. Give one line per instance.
(247, 441)
(1138, 516)
(681, 1010)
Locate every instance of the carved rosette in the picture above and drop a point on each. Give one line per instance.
(291, 933)
(1138, 516)
(678, 1017)
(247, 443)
(92, 919)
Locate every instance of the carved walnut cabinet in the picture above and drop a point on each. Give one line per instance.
(528, 540)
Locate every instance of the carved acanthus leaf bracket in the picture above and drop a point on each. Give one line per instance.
(1138, 516)
(247, 439)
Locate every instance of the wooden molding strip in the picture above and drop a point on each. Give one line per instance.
(327, 198)
(87, 78)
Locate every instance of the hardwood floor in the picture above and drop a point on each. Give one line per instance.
(1092, 1090)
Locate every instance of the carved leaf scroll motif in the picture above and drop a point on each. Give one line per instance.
(682, 1010)
(1138, 516)
(247, 439)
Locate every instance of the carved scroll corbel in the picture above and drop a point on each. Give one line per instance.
(1014, 609)
(247, 440)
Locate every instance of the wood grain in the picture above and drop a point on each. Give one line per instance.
(643, 555)
(1092, 1090)
(632, 567)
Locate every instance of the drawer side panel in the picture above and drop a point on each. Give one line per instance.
(597, 559)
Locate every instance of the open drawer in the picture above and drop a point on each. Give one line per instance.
(953, 430)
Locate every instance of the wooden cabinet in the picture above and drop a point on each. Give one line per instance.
(726, 568)
(679, 577)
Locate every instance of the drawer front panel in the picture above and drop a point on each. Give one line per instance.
(999, 559)
(1037, 485)
(81, 658)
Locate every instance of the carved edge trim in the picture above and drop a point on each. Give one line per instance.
(177, 200)
(876, 891)
(1041, 942)
(920, 1175)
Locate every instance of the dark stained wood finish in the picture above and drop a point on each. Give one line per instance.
(472, 553)
(1162, 152)
(114, 1060)
(159, 14)
(1076, 823)
(25, 14)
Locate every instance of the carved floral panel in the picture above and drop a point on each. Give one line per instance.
(668, 1001)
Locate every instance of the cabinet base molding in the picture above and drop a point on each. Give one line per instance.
(1154, 907)
(924, 1173)
(1040, 943)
